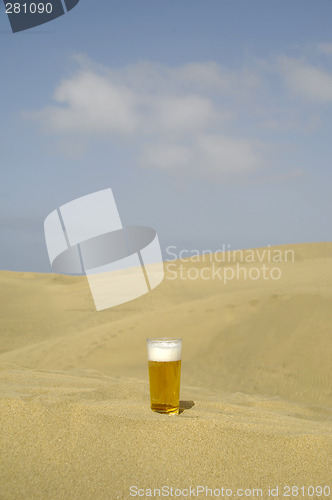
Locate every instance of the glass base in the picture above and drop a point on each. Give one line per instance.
(165, 409)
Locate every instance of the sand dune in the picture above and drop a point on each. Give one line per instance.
(256, 381)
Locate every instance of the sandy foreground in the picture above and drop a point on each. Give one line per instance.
(256, 390)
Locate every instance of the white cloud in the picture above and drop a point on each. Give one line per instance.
(305, 80)
(325, 48)
(184, 113)
(176, 116)
(231, 155)
(215, 156)
(199, 118)
(167, 156)
(208, 77)
(91, 104)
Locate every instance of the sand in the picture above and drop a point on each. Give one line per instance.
(256, 389)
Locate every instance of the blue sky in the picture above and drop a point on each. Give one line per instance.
(209, 120)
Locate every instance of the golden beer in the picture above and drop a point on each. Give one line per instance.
(164, 361)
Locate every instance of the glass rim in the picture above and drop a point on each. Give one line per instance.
(164, 339)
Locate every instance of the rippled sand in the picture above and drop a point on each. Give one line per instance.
(256, 393)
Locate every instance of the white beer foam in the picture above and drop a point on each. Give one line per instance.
(164, 351)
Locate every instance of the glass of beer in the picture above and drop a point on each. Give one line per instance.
(164, 359)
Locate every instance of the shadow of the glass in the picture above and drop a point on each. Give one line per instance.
(185, 405)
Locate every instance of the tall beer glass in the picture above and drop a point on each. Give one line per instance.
(164, 359)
